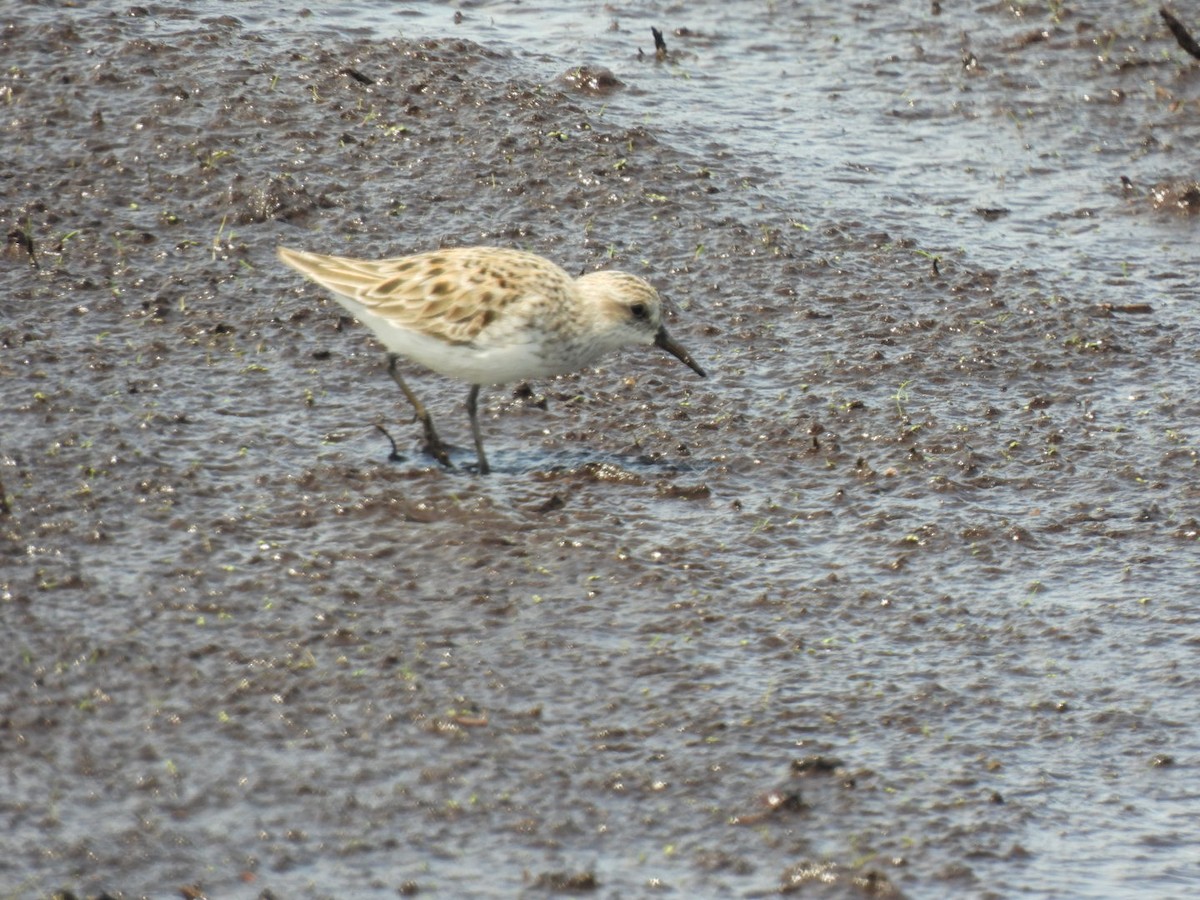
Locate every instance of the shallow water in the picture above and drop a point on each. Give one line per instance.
(939, 526)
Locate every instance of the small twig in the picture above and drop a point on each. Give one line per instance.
(660, 45)
(22, 239)
(1182, 35)
(357, 75)
(394, 456)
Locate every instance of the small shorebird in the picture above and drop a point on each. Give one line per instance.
(486, 315)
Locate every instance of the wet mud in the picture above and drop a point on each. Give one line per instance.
(899, 602)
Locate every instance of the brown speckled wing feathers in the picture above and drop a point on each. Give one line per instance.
(448, 294)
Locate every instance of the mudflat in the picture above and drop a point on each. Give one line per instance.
(899, 601)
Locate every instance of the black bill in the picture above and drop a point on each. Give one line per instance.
(662, 339)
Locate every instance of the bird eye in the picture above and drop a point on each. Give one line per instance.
(639, 310)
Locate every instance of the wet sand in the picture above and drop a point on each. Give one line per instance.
(899, 602)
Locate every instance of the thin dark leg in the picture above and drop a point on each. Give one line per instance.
(433, 444)
(472, 398)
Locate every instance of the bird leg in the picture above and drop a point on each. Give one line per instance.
(472, 398)
(433, 444)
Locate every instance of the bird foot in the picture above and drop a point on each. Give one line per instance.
(438, 451)
(433, 447)
(479, 468)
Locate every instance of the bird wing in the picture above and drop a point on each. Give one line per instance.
(452, 294)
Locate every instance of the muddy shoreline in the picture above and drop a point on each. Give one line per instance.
(899, 595)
